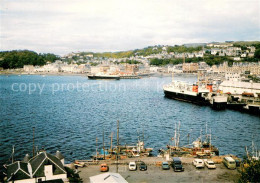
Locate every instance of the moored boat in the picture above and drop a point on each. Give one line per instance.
(185, 92)
(104, 76)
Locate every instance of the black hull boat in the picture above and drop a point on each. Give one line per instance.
(104, 77)
(196, 99)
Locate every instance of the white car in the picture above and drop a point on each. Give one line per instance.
(132, 166)
(198, 163)
(210, 164)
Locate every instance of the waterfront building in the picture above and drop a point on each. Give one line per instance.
(190, 67)
(238, 67)
(107, 178)
(131, 68)
(233, 76)
(238, 87)
(42, 167)
(28, 68)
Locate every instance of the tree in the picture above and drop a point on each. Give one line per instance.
(250, 172)
(19, 58)
(257, 53)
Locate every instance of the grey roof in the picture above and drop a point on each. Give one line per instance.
(17, 171)
(59, 155)
(39, 161)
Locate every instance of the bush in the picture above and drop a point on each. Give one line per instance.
(250, 172)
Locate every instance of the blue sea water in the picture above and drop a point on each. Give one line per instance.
(70, 112)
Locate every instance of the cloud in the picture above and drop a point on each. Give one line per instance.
(63, 26)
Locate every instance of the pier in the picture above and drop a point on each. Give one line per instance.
(130, 77)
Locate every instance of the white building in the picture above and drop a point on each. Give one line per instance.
(107, 178)
(238, 87)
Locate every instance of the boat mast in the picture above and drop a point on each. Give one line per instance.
(96, 147)
(117, 149)
(33, 141)
(210, 139)
(104, 145)
(200, 137)
(175, 142)
(111, 144)
(13, 155)
(178, 134)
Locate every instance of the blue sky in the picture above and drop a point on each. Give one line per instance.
(63, 26)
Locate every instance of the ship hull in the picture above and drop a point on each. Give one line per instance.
(104, 77)
(236, 106)
(219, 105)
(185, 97)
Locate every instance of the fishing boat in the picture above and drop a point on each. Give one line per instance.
(199, 147)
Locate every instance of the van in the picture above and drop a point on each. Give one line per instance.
(229, 162)
(177, 165)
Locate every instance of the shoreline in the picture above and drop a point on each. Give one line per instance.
(86, 74)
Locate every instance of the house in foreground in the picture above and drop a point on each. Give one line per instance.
(42, 167)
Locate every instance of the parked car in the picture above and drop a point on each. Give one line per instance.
(176, 164)
(165, 165)
(198, 163)
(210, 164)
(132, 166)
(104, 168)
(229, 162)
(143, 166)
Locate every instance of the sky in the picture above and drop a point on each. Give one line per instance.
(65, 26)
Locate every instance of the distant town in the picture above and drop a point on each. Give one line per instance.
(231, 60)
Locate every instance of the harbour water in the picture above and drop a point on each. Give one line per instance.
(70, 112)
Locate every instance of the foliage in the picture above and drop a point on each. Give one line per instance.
(182, 49)
(216, 60)
(72, 176)
(257, 53)
(19, 58)
(93, 63)
(250, 172)
(130, 62)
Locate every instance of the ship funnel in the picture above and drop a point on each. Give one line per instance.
(195, 88)
(209, 87)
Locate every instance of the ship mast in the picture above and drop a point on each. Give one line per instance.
(117, 149)
(175, 142)
(104, 145)
(13, 155)
(111, 144)
(96, 147)
(33, 141)
(178, 134)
